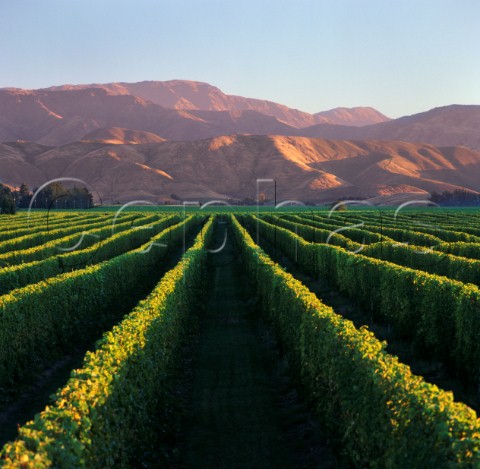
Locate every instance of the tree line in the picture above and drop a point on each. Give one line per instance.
(53, 196)
(456, 198)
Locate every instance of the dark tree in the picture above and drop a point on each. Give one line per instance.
(56, 195)
(23, 196)
(339, 206)
(7, 202)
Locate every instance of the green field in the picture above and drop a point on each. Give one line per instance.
(240, 337)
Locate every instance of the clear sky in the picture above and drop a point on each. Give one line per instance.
(399, 56)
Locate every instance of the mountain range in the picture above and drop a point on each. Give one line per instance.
(197, 96)
(65, 114)
(228, 167)
(152, 140)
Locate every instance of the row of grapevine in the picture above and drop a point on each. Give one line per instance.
(25, 219)
(42, 319)
(34, 239)
(52, 223)
(436, 261)
(436, 217)
(440, 315)
(415, 219)
(383, 233)
(106, 410)
(468, 250)
(383, 415)
(123, 240)
(56, 246)
(312, 234)
(356, 234)
(447, 232)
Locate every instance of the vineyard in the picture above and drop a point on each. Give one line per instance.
(240, 339)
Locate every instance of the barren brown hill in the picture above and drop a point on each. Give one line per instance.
(194, 95)
(117, 135)
(228, 167)
(17, 163)
(454, 125)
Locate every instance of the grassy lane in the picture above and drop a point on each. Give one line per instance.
(244, 411)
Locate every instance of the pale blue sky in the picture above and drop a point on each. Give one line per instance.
(400, 57)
